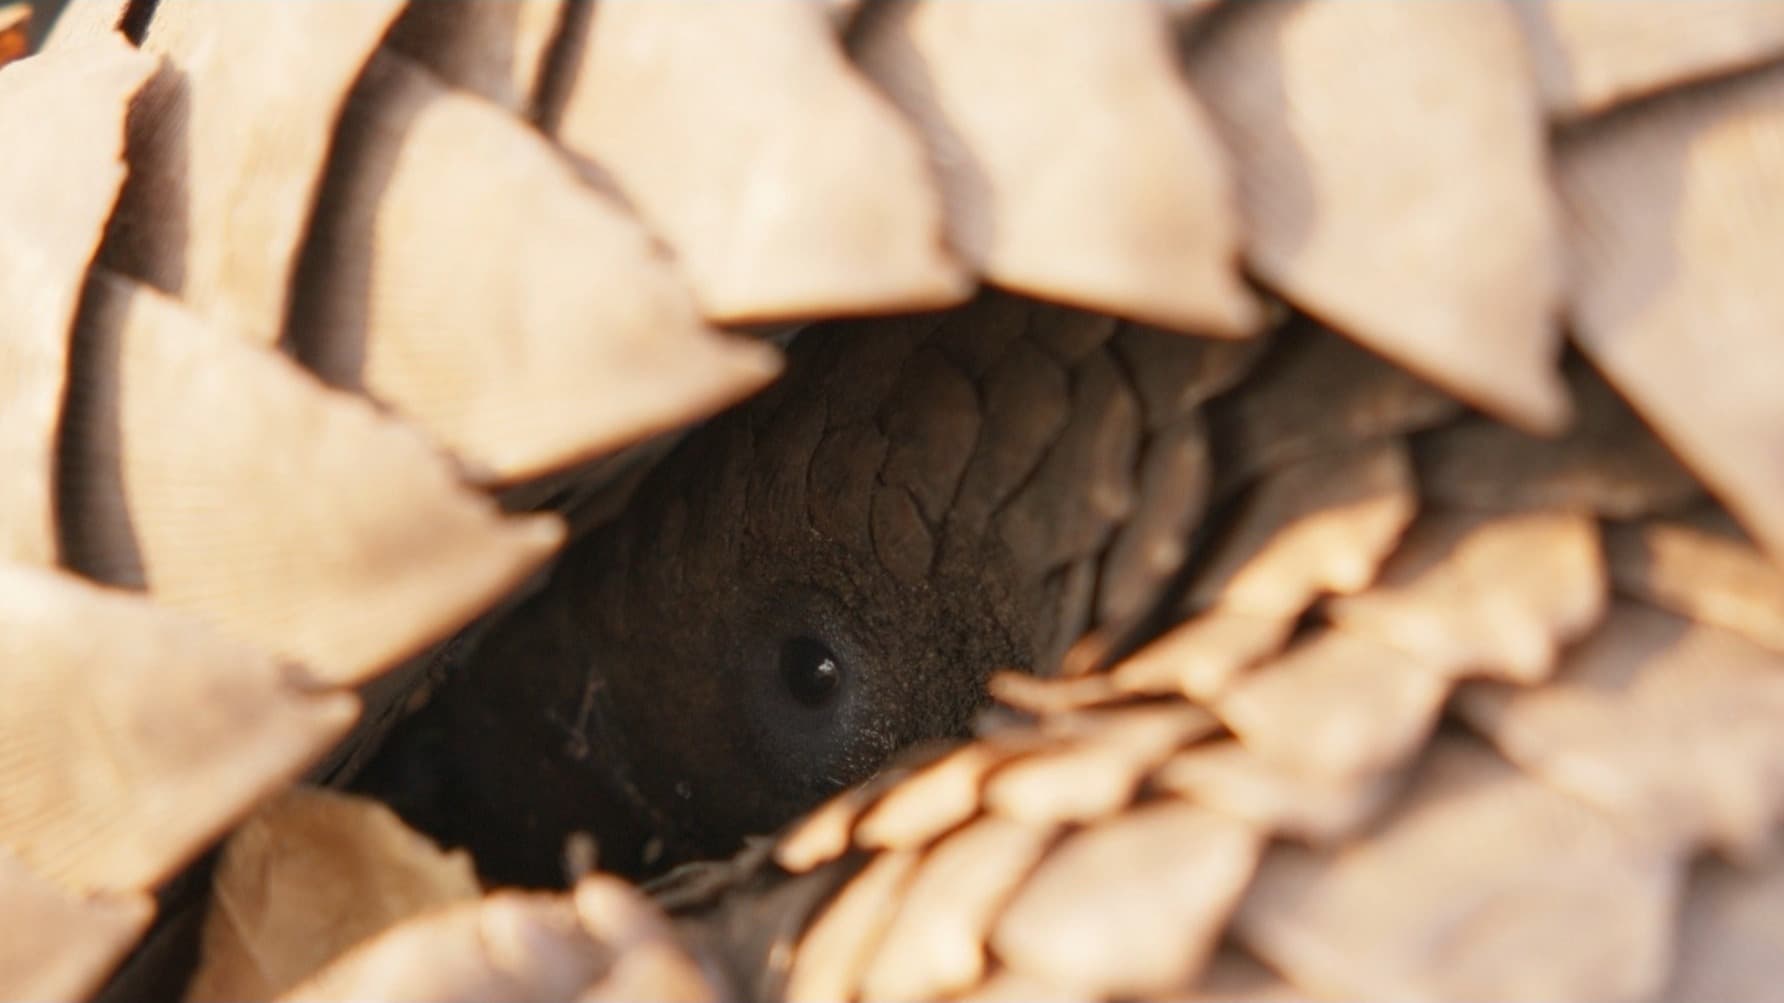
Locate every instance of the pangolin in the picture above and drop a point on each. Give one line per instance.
(1442, 660)
(825, 576)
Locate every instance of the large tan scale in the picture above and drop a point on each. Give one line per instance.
(1449, 335)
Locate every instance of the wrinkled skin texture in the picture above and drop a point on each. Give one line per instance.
(808, 584)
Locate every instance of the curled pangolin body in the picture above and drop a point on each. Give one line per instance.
(1462, 684)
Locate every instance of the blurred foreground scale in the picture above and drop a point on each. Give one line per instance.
(308, 877)
(59, 944)
(1589, 56)
(1674, 214)
(1446, 709)
(323, 896)
(496, 49)
(1463, 893)
(45, 247)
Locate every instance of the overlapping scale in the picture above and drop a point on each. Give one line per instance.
(46, 244)
(1423, 226)
(226, 155)
(224, 481)
(309, 876)
(491, 324)
(1484, 883)
(499, 50)
(1673, 215)
(1395, 855)
(1073, 162)
(1666, 721)
(104, 793)
(744, 138)
(1591, 56)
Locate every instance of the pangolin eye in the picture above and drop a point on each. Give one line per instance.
(810, 671)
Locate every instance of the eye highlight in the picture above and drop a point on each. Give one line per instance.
(810, 672)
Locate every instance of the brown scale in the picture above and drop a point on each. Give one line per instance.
(824, 576)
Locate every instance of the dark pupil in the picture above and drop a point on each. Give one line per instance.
(809, 671)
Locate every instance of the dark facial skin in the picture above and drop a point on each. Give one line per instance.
(806, 585)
